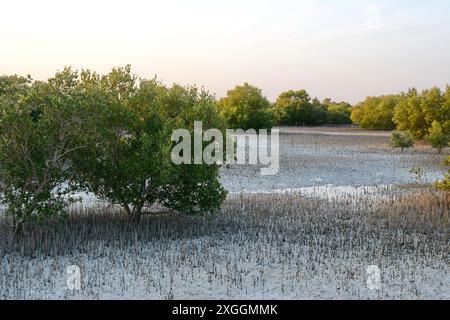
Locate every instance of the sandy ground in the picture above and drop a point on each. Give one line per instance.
(311, 157)
(309, 232)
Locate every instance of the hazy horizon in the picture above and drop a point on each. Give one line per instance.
(344, 50)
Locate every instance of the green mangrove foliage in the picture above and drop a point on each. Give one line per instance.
(107, 134)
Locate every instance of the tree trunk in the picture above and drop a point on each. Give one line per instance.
(133, 215)
(18, 230)
(136, 217)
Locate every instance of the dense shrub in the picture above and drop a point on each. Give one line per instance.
(409, 114)
(127, 161)
(437, 137)
(416, 111)
(245, 107)
(402, 140)
(338, 113)
(110, 135)
(375, 112)
(41, 125)
(296, 108)
(412, 111)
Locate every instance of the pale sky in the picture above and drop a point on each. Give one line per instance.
(342, 49)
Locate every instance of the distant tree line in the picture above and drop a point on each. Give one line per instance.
(245, 107)
(411, 111)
